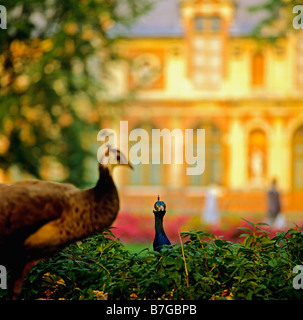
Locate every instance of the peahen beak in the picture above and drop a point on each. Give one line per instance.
(130, 165)
(122, 159)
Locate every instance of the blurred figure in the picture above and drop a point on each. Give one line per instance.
(257, 165)
(274, 216)
(210, 213)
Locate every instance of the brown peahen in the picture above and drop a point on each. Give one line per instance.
(39, 218)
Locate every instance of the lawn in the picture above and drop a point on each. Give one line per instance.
(135, 247)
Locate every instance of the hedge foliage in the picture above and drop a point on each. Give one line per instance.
(201, 266)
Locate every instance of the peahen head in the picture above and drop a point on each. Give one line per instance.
(159, 208)
(113, 157)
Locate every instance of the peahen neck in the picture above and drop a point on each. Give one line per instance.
(105, 182)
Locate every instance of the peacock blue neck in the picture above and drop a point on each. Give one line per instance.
(159, 223)
(160, 237)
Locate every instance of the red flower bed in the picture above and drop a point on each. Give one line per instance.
(140, 228)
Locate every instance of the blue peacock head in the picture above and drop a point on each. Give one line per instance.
(159, 207)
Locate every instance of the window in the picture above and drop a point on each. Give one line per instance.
(146, 174)
(207, 62)
(298, 159)
(207, 23)
(199, 23)
(257, 70)
(216, 23)
(213, 172)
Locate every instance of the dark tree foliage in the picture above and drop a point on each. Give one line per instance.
(278, 17)
(53, 64)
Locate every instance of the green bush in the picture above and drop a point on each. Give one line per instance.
(202, 266)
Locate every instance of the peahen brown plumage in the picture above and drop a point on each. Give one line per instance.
(39, 218)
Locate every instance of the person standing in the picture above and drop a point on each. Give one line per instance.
(274, 206)
(210, 214)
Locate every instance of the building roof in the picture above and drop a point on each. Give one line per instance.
(164, 20)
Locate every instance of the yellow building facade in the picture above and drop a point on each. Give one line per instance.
(211, 74)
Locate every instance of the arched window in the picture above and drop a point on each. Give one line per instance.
(297, 160)
(146, 174)
(213, 172)
(257, 70)
(257, 166)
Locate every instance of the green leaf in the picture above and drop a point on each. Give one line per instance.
(249, 222)
(249, 296)
(262, 224)
(245, 229)
(263, 231)
(242, 235)
(179, 263)
(273, 263)
(219, 243)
